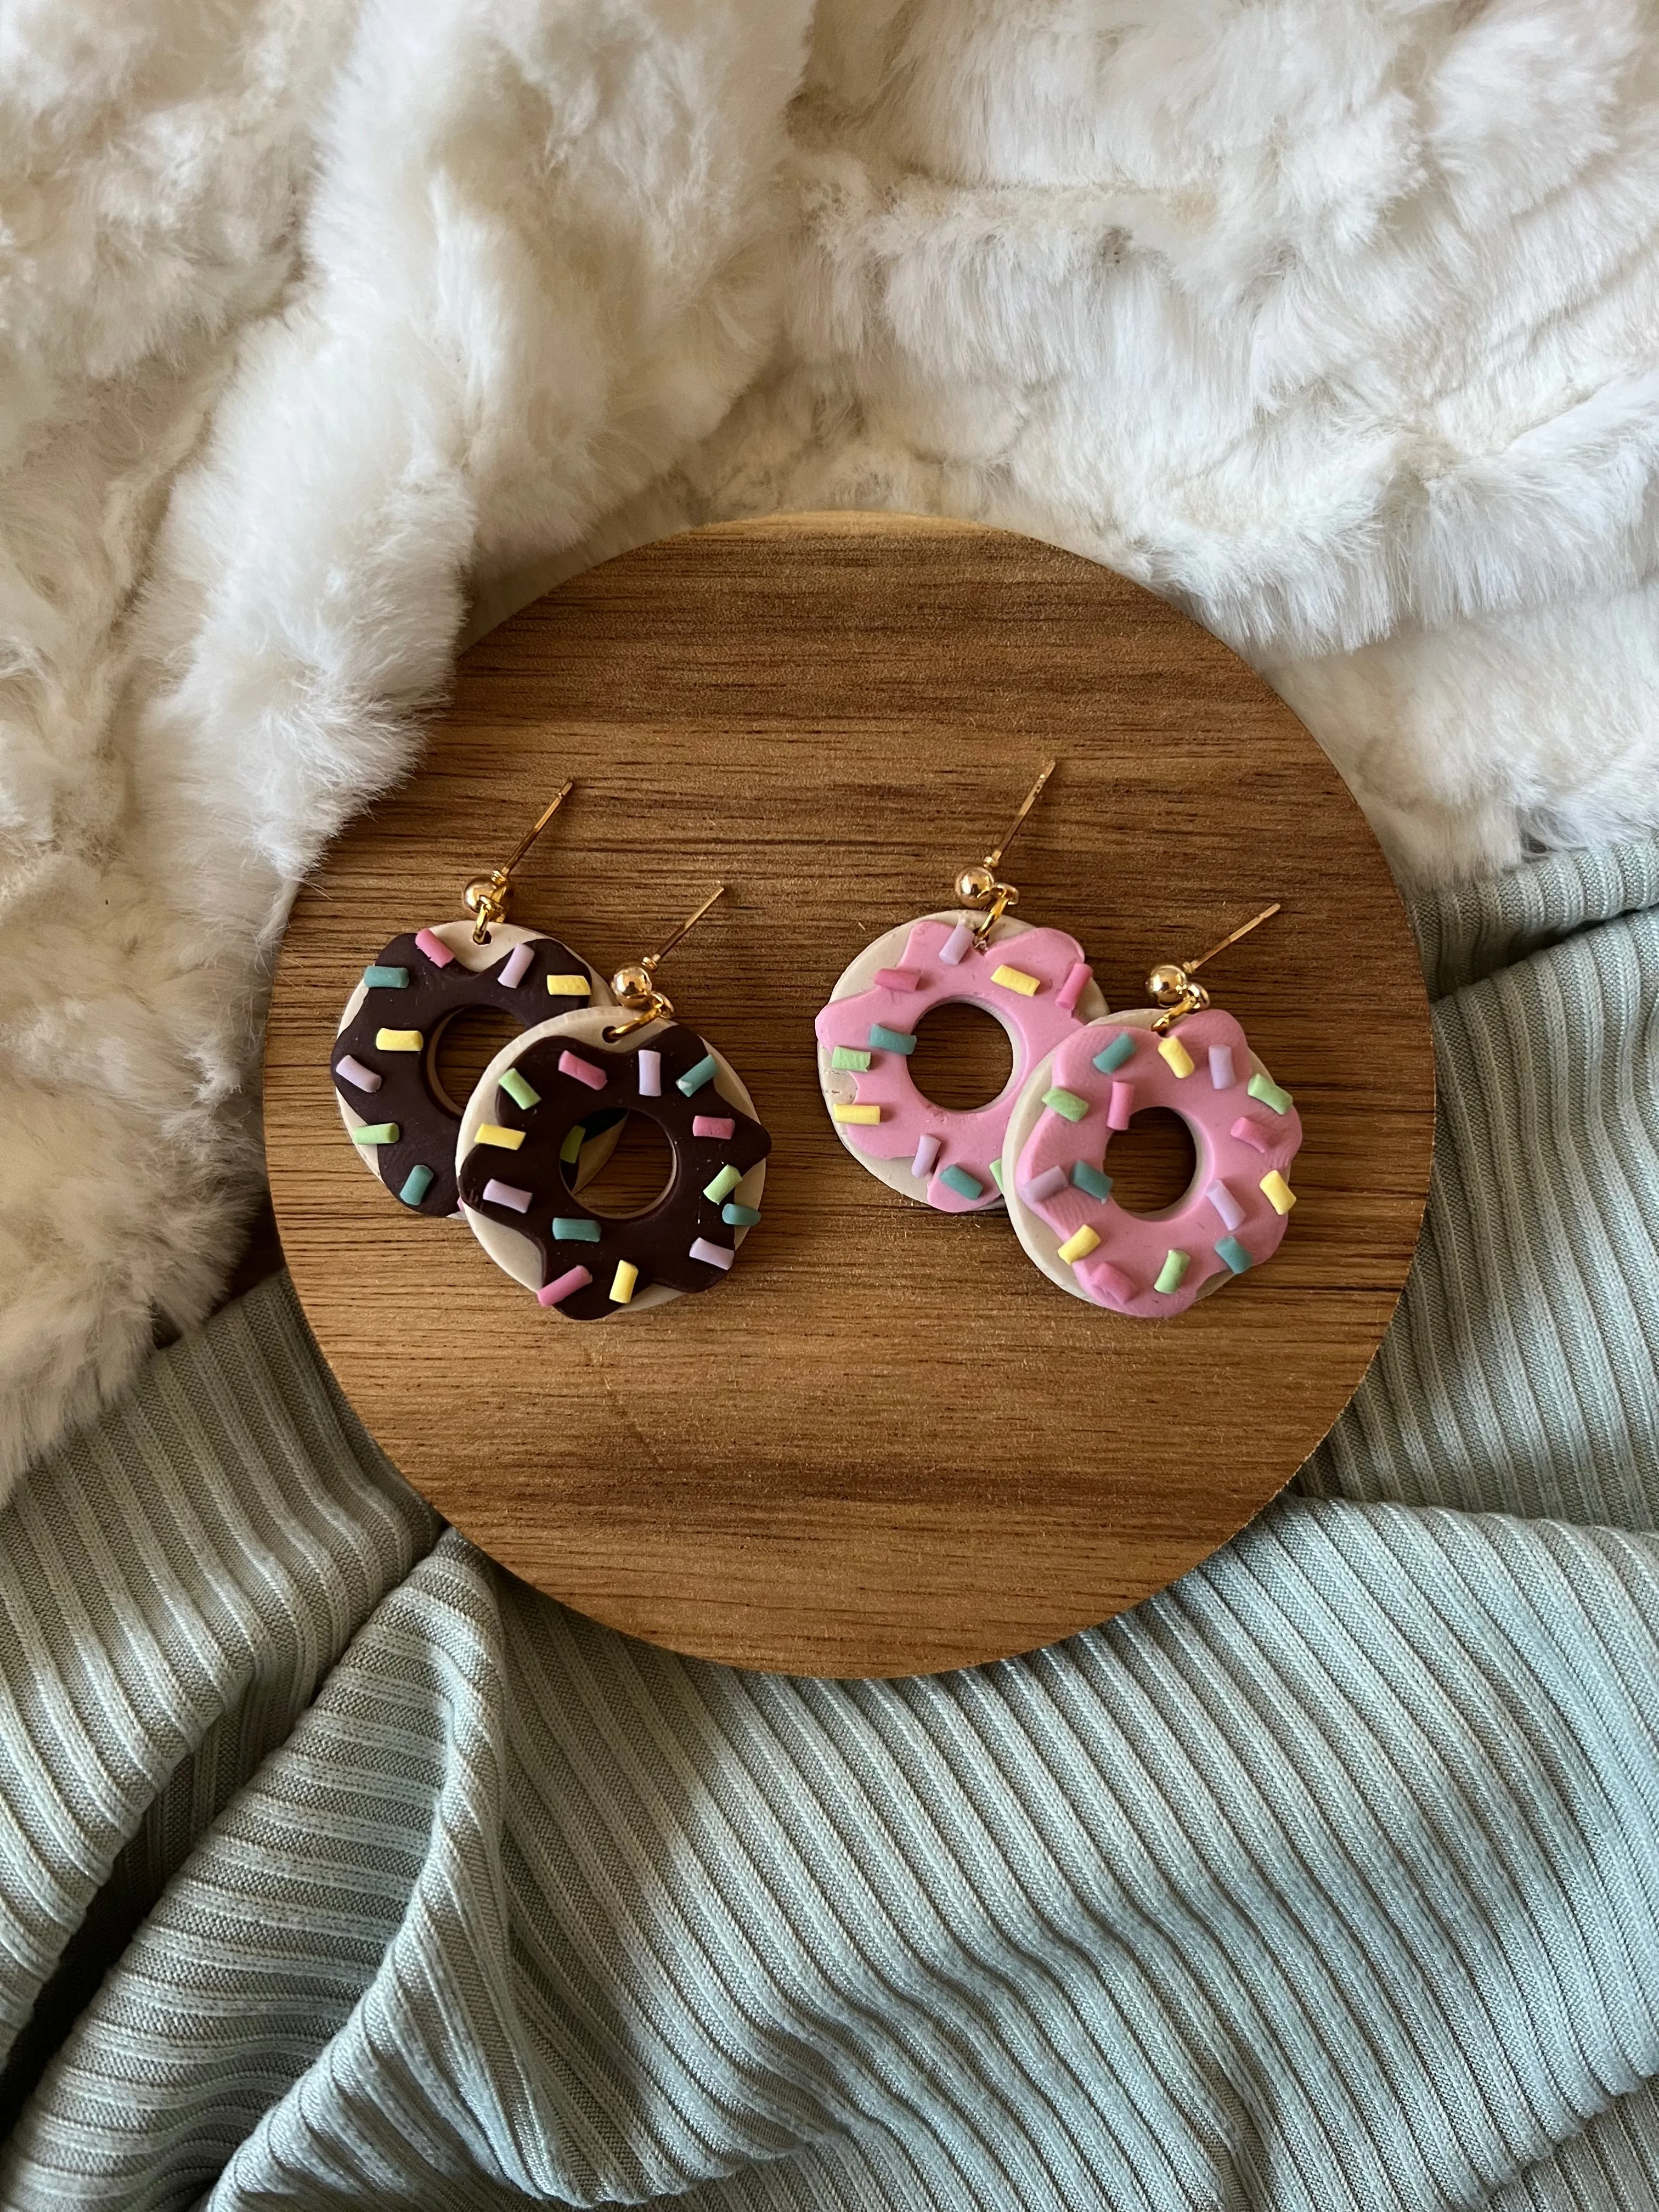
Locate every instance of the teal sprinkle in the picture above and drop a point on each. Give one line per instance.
(386, 979)
(1067, 1102)
(572, 1147)
(570, 1229)
(1090, 1179)
(521, 1092)
(416, 1183)
(1119, 1049)
(884, 1040)
(996, 1173)
(693, 1077)
(740, 1217)
(1234, 1254)
(964, 1184)
(849, 1059)
(1264, 1088)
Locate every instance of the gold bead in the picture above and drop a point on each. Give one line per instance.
(1167, 983)
(976, 886)
(632, 986)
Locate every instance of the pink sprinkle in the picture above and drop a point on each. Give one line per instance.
(713, 1125)
(650, 1072)
(1102, 1276)
(1046, 1185)
(515, 966)
(507, 1194)
(927, 1158)
(1120, 1112)
(1222, 1076)
(718, 1255)
(954, 949)
(1225, 1204)
(1252, 1133)
(554, 1293)
(358, 1077)
(572, 1063)
(897, 979)
(1071, 989)
(433, 947)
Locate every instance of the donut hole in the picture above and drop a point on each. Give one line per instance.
(462, 1047)
(964, 1057)
(636, 1175)
(1152, 1162)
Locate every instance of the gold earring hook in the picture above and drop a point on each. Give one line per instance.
(979, 887)
(486, 896)
(636, 985)
(1171, 984)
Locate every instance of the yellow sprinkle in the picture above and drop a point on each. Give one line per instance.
(1078, 1245)
(1016, 979)
(491, 1132)
(623, 1282)
(1177, 1056)
(398, 1040)
(856, 1112)
(1280, 1196)
(569, 987)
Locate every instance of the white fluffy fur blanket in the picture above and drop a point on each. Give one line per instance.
(326, 321)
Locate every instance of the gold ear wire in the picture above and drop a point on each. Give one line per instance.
(1171, 983)
(486, 896)
(636, 985)
(979, 886)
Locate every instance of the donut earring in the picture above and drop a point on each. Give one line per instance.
(522, 1131)
(1180, 1053)
(384, 1058)
(1042, 991)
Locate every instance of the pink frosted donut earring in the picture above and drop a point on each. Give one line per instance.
(1034, 982)
(1193, 1058)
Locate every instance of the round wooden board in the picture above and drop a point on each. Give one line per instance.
(886, 1445)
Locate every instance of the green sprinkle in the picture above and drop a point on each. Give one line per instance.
(1234, 1254)
(521, 1092)
(1089, 1178)
(1169, 1274)
(1067, 1102)
(693, 1077)
(996, 1173)
(1115, 1053)
(375, 1132)
(884, 1040)
(1264, 1088)
(848, 1057)
(572, 1228)
(964, 1184)
(386, 979)
(740, 1217)
(723, 1185)
(416, 1183)
(571, 1149)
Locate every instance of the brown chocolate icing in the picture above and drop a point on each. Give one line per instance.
(657, 1242)
(427, 1129)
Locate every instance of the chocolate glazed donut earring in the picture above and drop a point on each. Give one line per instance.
(523, 1130)
(384, 1058)
(1040, 992)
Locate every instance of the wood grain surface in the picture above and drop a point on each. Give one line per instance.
(886, 1444)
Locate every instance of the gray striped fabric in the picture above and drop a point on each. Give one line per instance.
(1328, 1878)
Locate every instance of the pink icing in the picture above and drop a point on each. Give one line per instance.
(968, 1140)
(1119, 1273)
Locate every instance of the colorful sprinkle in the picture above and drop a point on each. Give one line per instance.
(507, 1194)
(996, 1173)
(1089, 1178)
(1225, 1204)
(1067, 1102)
(1175, 1265)
(1016, 979)
(717, 1255)
(1076, 980)
(375, 1132)
(521, 1092)
(575, 1229)
(1253, 1134)
(1120, 1111)
(1234, 1254)
(964, 1184)
(623, 1282)
(849, 1059)
(515, 966)
(714, 1125)
(398, 1041)
(571, 1149)
(1222, 1074)
(433, 947)
(582, 1071)
(957, 945)
(723, 1185)
(927, 1158)
(885, 1040)
(650, 1064)
(1121, 1048)
(897, 979)
(1102, 1276)
(1078, 1245)
(863, 1114)
(416, 1183)
(740, 1217)
(555, 1293)
(358, 1077)
(1278, 1194)
(1048, 1184)
(693, 1077)
(386, 979)
(1264, 1088)
(491, 1132)
(1175, 1054)
(569, 987)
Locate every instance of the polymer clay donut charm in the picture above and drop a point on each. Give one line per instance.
(1034, 982)
(1245, 1132)
(384, 1060)
(516, 1154)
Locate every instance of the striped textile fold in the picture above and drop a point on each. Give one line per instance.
(1328, 1877)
